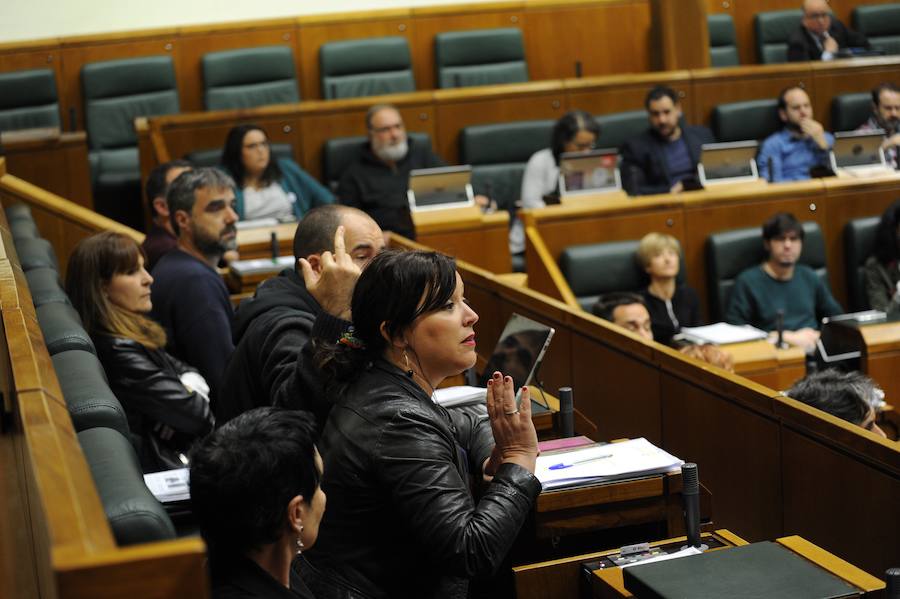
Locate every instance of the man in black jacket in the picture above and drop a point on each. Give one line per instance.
(820, 36)
(272, 360)
(664, 157)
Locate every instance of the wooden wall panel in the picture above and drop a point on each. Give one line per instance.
(195, 42)
(606, 38)
(625, 93)
(845, 78)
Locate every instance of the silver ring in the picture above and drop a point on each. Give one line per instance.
(511, 413)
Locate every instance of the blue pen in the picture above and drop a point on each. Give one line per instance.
(576, 462)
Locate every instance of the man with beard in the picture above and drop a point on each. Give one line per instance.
(377, 181)
(780, 287)
(189, 298)
(161, 238)
(886, 116)
(665, 156)
(802, 143)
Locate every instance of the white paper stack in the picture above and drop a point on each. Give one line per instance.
(600, 463)
(723, 333)
(169, 485)
(462, 395)
(261, 265)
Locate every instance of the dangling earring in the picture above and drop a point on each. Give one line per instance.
(409, 370)
(300, 541)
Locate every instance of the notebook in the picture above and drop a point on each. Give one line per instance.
(728, 162)
(440, 188)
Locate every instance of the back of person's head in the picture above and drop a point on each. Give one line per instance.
(657, 92)
(653, 244)
(567, 127)
(315, 231)
(780, 224)
(156, 181)
(847, 395)
(244, 475)
(883, 87)
(886, 236)
(181, 192)
(92, 265)
(232, 155)
(392, 292)
(607, 304)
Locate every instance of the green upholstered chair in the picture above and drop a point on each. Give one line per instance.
(339, 152)
(28, 99)
(213, 157)
(849, 111)
(729, 253)
(134, 514)
(89, 399)
(21, 223)
(36, 252)
(618, 127)
(739, 121)
(62, 328)
(480, 57)
(366, 67)
(859, 244)
(723, 50)
(597, 268)
(773, 28)
(45, 286)
(498, 153)
(249, 77)
(881, 24)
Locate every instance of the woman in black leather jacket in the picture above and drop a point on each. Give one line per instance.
(402, 520)
(164, 399)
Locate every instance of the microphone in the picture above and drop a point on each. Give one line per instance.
(779, 326)
(771, 165)
(578, 69)
(690, 493)
(273, 240)
(892, 577)
(566, 412)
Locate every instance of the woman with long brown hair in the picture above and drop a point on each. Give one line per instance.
(164, 399)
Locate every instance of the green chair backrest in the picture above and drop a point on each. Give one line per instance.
(597, 268)
(739, 121)
(28, 99)
(859, 243)
(773, 28)
(618, 127)
(881, 24)
(249, 77)
(723, 50)
(118, 91)
(480, 57)
(499, 143)
(339, 152)
(366, 67)
(849, 111)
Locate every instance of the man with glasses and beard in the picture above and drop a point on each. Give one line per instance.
(820, 36)
(800, 145)
(377, 181)
(189, 298)
(886, 116)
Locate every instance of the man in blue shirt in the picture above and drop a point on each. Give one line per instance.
(802, 144)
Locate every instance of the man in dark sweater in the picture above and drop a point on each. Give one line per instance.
(781, 286)
(189, 298)
(161, 237)
(272, 361)
(820, 36)
(663, 158)
(377, 181)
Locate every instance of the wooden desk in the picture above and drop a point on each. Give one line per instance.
(761, 362)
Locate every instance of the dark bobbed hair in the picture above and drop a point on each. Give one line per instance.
(156, 181)
(567, 127)
(842, 394)
(244, 474)
(660, 91)
(92, 265)
(231, 156)
(876, 91)
(315, 231)
(395, 289)
(608, 303)
(781, 223)
(886, 240)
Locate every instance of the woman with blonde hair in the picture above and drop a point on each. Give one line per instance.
(164, 399)
(671, 304)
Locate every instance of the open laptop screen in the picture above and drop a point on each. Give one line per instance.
(728, 162)
(855, 149)
(519, 350)
(440, 188)
(589, 172)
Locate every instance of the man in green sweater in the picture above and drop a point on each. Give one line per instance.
(781, 286)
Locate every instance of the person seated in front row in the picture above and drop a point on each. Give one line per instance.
(165, 400)
(851, 396)
(256, 495)
(272, 361)
(161, 237)
(671, 305)
(882, 268)
(781, 286)
(789, 154)
(820, 36)
(576, 131)
(665, 156)
(402, 520)
(886, 116)
(266, 186)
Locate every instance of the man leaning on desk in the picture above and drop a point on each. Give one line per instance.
(820, 36)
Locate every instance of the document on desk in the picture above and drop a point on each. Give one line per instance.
(169, 485)
(722, 333)
(600, 463)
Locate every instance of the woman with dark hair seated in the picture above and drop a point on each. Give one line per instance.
(256, 495)
(402, 520)
(165, 400)
(268, 187)
(882, 269)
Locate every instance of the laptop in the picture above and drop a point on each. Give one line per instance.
(729, 162)
(582, 173)
(519, 351)
(858, 150)
(440, 188)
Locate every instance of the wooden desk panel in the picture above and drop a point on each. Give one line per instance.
(603, 95)
(483, 242)
(760, 362)
(833, 80)
(57, 162)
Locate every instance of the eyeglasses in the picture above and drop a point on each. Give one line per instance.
(584, 146)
